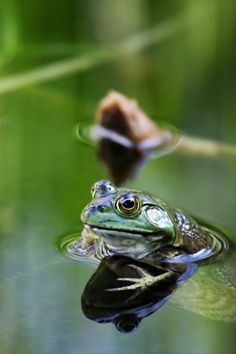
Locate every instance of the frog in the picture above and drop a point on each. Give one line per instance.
(143, 226)
(149, 230)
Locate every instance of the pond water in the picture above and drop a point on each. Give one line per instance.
(45, 184)
(46, 176)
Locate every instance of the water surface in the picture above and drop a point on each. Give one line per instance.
(46, 174)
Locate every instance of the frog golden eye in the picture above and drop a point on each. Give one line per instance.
(128, 205)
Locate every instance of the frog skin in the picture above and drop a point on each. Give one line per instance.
(140, 225)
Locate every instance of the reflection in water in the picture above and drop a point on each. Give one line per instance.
(124, 291)
(212, 292)
(126, 137)
(122, 162)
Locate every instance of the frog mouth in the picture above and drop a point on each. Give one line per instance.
(106, 231)
(126, 242)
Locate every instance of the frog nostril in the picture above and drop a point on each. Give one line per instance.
(101, 208)
(92, 210)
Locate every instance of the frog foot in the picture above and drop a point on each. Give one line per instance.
(146, 280)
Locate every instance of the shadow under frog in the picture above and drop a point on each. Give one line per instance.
(146, 248)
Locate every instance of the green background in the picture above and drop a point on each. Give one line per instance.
(186, 78)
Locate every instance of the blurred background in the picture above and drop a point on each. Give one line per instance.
(57, 61)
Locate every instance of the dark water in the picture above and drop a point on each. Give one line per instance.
(46, 174)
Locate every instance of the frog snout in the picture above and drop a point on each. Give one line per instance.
(91, 210)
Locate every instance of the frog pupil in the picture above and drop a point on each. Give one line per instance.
(128, 203)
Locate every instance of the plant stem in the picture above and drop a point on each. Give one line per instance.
(101, 56)
(204, 147)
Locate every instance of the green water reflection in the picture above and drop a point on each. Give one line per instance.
(46, 174)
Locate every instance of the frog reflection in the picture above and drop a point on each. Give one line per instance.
(209, 288)
(106, 298)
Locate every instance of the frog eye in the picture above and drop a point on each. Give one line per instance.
(128, 205)
(102, 188)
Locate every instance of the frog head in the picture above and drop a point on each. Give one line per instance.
(129, 222)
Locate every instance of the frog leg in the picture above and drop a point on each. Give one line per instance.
(146, 280)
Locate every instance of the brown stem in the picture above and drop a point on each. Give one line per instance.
(204, 147)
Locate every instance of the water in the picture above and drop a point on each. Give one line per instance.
(46, 185)
(46, 173)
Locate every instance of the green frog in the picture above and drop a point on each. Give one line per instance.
(142, 226)
(149, 230)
